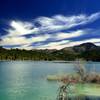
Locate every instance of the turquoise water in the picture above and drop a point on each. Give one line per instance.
(26, 80)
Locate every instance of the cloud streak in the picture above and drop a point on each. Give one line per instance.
(68, 43)
(19, 28)
(60, 22)
(53, 31)
(22, 40)
(49, 24)
(72, 34)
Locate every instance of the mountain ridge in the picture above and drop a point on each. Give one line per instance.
(83, 47)
(86, 51)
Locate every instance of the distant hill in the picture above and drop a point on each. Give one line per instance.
(86, 51)
(82, 47)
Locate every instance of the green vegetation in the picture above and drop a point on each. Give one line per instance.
(85, 51)
(47, 55)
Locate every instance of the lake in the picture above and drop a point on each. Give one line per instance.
(26, 80)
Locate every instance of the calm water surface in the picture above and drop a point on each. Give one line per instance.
(26, 80)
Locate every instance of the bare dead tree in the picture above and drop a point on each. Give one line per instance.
(80, 69)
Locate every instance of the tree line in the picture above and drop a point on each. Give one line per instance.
(48, 55)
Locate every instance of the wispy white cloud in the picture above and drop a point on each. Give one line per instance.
(18, 31)
(98, 43)
(22, 40)
(74, 43)
(13, 41)
(53, 45)
(19, 28)
(49, 24)
(60, 44)
(60, 22)
(68, 43)
(72, 34)
(92, 40)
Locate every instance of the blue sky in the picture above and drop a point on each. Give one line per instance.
(49, 24)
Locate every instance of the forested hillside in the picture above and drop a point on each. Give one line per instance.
(86, 51)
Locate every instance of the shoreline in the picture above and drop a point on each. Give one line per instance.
(55, 61)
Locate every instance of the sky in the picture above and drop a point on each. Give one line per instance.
(49, 24)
